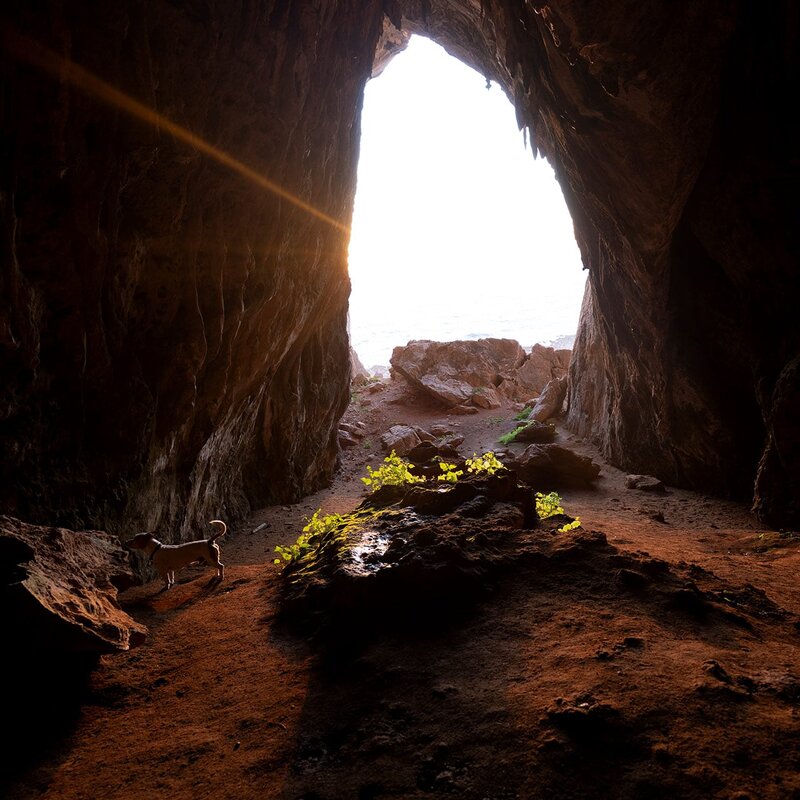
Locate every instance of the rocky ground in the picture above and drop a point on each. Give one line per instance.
(654, 652)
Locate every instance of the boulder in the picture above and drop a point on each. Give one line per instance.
(60, 590)
(551, 400)
(551, 466)
(645, 483)
(358, 372)
(485, 397)
(400, 438)
(541, 365)
(536, 432)
(451, 371)
(347, 439)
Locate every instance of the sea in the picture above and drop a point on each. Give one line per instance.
(379, 322)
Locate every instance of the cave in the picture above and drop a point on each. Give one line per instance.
(176, 188)
(173, 332)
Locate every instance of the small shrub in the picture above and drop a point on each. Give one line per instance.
(449, 472)
(548, 505)
(315, 526)
(511, 436)
(487, 463)
(395, 471)
(523, 414)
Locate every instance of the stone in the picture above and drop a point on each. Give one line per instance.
(356, 429)
(541, 365)
(347, 439)
(463, 410)
(400, 438)
(450, 372)
(551, 466)
(550, 401)
(645, 483)
(358, 372)
(440, 429)
(60, 592)
(484, 397)
(536, 432)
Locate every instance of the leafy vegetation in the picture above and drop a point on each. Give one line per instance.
(315, 527)
(395, 471)
(511, 436)
(449, 472)
(487, 463)
(549, 505)
(523, 414)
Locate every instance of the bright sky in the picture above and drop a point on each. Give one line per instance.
(457, 230)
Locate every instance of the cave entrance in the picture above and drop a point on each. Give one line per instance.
(458, 232)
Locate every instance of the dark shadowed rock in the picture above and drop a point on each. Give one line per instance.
(536, 433)
(551, 466)
(60, 590)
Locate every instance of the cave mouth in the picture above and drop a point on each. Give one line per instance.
(458, 232)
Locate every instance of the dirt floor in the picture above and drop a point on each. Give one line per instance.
(560, 684)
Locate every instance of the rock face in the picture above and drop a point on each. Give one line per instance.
(551, 400)
(451, 372)
(542, 365)
(60, 591)
(173, 318)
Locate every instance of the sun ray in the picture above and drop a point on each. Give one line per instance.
(37, 55)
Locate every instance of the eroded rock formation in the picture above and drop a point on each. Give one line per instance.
(173, 331)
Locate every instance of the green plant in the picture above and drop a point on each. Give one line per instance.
(395, 471)
(449, 472)
(315, 526)
(511, 436)
(523, 414)
(549, 505)
(487, 463)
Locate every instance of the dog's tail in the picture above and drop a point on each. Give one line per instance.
(219, 533)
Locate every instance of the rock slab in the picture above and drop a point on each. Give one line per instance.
(60, 590)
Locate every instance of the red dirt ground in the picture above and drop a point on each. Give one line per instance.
(222, 702)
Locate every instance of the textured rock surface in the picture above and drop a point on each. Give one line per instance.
(551, 466)
(173, 336)
(60, 591)
(541, 365)
(451, 371)
(551, 400)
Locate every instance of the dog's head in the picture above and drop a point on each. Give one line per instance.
(140, 541)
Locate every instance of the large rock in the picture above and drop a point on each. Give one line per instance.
(400, 438)
(60, 590)
(541, 366)
(551, 466)
(550, 401)
(450, 372)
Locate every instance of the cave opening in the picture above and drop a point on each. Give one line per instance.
(458, 231)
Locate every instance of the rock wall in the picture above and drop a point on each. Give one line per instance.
(173, 332)
(173, 337)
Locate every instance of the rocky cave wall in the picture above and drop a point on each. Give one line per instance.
(172, 335)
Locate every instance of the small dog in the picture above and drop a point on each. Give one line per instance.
(167, 558)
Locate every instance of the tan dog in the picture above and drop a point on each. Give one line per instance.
(167, 558)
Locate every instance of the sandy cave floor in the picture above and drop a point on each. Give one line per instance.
(222, 702)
